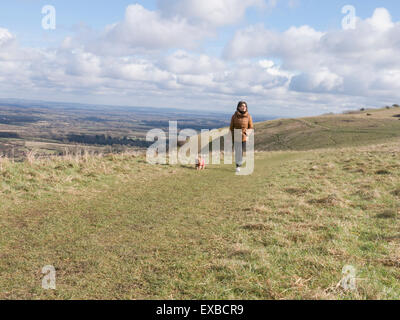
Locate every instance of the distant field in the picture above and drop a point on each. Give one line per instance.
(60, 129)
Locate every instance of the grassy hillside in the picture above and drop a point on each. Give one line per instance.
(118, 228)
(357, 128)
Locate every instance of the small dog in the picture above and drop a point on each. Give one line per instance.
(200, 163)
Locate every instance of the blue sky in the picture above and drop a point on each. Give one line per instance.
(198, 64)
(24, 16)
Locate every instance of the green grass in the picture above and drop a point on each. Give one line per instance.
(355, 129)
(118, 228)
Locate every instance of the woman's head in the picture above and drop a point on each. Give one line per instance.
(242, 107)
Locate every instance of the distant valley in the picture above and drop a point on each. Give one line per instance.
(52, 128)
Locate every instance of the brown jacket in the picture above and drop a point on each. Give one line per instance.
(241, 121)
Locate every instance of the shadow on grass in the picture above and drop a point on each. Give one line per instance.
(225, 168)
(187, 166)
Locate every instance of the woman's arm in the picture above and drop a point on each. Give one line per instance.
(231, 126)
(251, 126)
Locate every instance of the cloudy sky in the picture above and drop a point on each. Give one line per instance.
(285, 57)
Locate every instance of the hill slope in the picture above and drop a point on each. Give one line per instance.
(358, 128)
(118, 228)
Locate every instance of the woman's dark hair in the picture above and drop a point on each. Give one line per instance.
(240, 103)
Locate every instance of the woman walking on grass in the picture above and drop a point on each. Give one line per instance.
(241, 120)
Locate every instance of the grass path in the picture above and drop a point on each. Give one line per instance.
(171, 232)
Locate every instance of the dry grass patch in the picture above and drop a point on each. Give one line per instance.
(388, 214)
(383, 172)
(367, 194)
(396, 192)
(256, 226)
(297, 191)
(330, 200)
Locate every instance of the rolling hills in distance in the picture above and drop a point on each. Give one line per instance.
(53, 128)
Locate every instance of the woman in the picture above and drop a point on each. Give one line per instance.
(241, 120)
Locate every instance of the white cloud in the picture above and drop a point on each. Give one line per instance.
(178, 24)
(5, 37)
(266, 64)
(381, 20)
(363, 61)
(144, 30)
(211, 12)
(321, 81)
(183, 62)
(291, 46)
